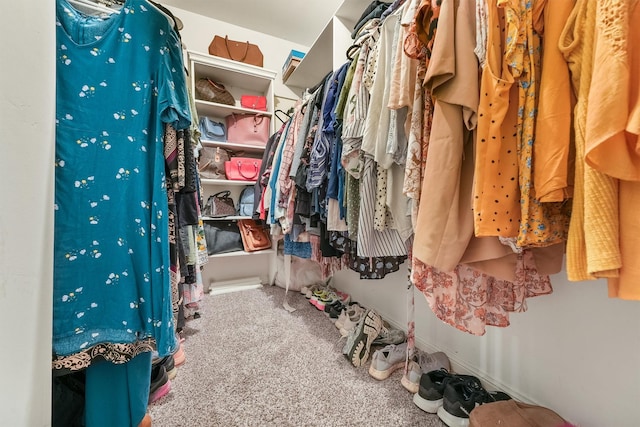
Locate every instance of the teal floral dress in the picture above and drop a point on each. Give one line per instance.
(119, 78)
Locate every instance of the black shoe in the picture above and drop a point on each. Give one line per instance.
(169, 365)
(159, 378)
(334, 307)
(432, 384)
(463, 396)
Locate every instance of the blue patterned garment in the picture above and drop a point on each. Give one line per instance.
(118, 79)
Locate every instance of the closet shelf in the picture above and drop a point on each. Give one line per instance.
(233, 146)
(243, 253)
(225, 218)
(226, 182)
(329, 49)
(232, 73)
(213, 109)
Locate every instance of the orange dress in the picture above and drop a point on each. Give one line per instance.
(552, 171)
(496, 196)
(504, 201)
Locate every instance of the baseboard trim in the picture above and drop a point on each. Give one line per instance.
(236, 285)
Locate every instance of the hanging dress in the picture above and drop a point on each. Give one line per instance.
(593, 243)
(119, 79)
(612, 134)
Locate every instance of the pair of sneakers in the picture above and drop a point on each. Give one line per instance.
(453, 396)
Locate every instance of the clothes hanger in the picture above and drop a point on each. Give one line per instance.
(287, 114)
(169, 18)
(112, 6)
(88, 6)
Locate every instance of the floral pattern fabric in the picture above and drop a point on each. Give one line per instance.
(470, 300)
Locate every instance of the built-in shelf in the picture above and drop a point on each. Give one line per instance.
(226, 182)
(224, 218)
(214, 109)
(232, 73)
(329, 50)
(232, 146)
(242, 253)
(239, 79)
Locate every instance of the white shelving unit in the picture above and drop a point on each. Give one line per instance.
(239, 79)
(329, 50)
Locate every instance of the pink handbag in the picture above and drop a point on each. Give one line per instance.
(251, 129)
(242, 168)
(256, 102)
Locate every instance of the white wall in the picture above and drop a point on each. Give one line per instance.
(575, 351)
(27, 107)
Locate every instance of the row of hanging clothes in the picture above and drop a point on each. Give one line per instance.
(453, 136)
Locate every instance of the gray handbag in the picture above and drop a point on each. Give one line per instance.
(245, 204)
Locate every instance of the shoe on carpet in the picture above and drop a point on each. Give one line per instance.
(424, 362)
(389, 335)
(169, 365)
(308, 291)
(387, 360)
(334, 309)
(348, 320)
(432, 384)
(160, 384)
(463, 396)
(359, 341)
(179, 357)
(160, 392)
(328, 298)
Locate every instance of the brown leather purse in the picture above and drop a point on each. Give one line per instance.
(208, 90)
(236, 51)
(254, 236)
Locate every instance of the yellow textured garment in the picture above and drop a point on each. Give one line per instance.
(613, 126)
(593, 243)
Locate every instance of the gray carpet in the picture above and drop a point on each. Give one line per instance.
(251, 363)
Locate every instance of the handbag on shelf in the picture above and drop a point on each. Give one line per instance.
(211, 162)
(236, 51)
(254, 236)
(219, 205)
(242, 168)
(252, 129)
(245, 203)
(255, 102)
(207, 90)
(222, 237)
(212, 130)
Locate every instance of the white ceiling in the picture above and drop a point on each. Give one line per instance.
(299, 21)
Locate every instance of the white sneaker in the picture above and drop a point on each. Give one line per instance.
(425, 363)
(387, 360)
(351, 319)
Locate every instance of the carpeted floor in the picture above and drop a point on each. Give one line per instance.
(251, 363)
